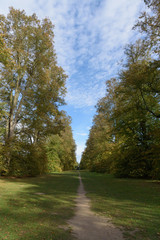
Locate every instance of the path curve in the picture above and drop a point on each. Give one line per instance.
(88, 226)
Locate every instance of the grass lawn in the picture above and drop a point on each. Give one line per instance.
(130, 203)
(37, 208)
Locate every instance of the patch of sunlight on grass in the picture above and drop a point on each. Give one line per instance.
(131, 203)
(26, 215)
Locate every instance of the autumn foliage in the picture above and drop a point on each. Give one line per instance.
(32, 87)
(125, 137)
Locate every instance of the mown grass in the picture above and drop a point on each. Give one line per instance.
(37, 208)
(130, 203)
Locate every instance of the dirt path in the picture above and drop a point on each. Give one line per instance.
(88, 226)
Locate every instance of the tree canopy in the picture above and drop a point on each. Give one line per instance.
(32, 89)
(125, 138)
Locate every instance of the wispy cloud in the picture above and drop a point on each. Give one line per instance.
(82, 134)
(89, 40)
(90, 36)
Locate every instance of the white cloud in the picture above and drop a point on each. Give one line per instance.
(29, 6)
(83, 96)
(82, 134)
(89, 38)
(80, 149)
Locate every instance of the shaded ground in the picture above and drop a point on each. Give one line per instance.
(88, 226)
(36, 208)
(131, 204)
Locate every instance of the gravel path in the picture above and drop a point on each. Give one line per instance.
(88, 226)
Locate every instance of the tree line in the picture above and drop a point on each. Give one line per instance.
(125, 136)
(35, 135)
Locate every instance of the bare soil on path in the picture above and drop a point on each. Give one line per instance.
(86, 225)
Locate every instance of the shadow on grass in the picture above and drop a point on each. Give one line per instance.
(36, 208)
(131, 203)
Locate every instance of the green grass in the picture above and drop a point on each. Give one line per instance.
(26, 215)
(130, 203)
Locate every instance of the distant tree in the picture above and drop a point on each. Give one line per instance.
(68, 157)
(101, 141)
(61, 148)
(54, 148)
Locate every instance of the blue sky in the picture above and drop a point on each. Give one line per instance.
(90, 36)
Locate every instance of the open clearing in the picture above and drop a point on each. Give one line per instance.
(42, 208)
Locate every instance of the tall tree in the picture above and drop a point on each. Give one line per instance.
(131, 109)
(149, 25)
(32, 84)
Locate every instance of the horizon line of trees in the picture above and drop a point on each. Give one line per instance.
(125, 137)
(35, 135)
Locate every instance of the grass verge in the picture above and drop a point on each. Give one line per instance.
(37, 208)
(130, 203)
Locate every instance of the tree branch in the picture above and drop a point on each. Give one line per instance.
(146, 106)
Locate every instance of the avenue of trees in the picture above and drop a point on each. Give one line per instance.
(35, 136)
(125, 136)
